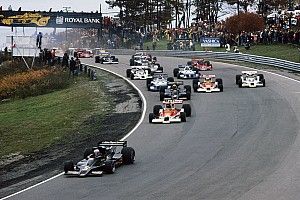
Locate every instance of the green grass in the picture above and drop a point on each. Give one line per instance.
(281, 51)
(34, 123)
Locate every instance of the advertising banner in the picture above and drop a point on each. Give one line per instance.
(50, 19)
(210, 42)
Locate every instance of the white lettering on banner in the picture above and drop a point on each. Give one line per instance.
(87, 20)
(73, 20)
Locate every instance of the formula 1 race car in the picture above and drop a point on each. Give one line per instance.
(175, 91)
(108, 59)
(138, 73)
(200, 64)
(103, 158)
(169, 113)
(250, 79)
(186, 72)
(158, 80)
(85, 53)
(208, 83)
(137, 58)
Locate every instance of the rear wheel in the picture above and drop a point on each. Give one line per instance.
(132, 76)
(68, 166)
(156, 109)
(97, 59)
(128, 155)
(170, 79)
(128, 72)
(187, 109)
(151, 117)
(188, 95)
(175, 72)
(148, 81)
(195, 85)
(220, 81)
(188, 88)
(183, 117)
(220, 87)
(240, 83)
(160, 69)
(189, 63)
(263, 82)
(109, 167)
(237, 79)
(131, 62)
(161, 96)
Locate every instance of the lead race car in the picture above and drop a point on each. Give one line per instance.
(139, 73)
(250, 79)
(103, 158)
(208, 83)
(170, 113)
(157, 81)
(186, 72)
(200, 64)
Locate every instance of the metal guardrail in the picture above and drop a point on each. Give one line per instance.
(284, 64)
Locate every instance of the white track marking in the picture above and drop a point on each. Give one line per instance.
(126, 136)
(14, 194)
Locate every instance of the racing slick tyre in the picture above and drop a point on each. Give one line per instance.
(116, 59)
(68, 166)
(161, 96)
(87, 152)
(148, 81)
(149, 72)
(188, 88)
(109, 167)
(170, 79)
(220, 87)
(97, 59)
(195, 84)
(189, 63)
(240, 83)
(131, 62)
(128, 72)
(183, 117)
(188, 95)
(160, 69)
(128, 155)
(261, 76)
(175, 72)
(132, 76)
(178, 75)
(187, 109)
(237, 79)
(263, 82)
(151, 117)
(156, 109)
(220, 81)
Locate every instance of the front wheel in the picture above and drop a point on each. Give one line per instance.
(69, 166)
(109, 167)
(183, 117)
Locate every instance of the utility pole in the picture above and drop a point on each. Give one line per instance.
(67, 9)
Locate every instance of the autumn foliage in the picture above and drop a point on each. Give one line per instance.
(248, 22)
(32, 83)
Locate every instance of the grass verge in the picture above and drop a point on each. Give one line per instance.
(29, 125)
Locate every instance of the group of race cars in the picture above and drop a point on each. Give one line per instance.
(106, 156)
(173, 93)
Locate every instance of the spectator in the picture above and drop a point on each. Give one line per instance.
(77, 66)
(72, 67)
(65, 61)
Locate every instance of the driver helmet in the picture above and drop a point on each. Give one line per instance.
(97, 153)
(174, 87)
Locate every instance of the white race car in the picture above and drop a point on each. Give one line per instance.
(108, 59)
(186, 72)
(169, 113)
(138, 73)
(157, 81)
(250, 79)
(208, 83)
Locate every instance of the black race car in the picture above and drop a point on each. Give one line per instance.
(103, 158)
(107, 59)
(175, 91)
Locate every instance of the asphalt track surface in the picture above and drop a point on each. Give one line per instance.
(239, 144)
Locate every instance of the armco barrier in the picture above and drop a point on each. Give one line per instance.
(218, 55)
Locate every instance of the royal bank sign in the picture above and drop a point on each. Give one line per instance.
(50, 19)
(210, 42)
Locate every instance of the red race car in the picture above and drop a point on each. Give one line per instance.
(201, 64)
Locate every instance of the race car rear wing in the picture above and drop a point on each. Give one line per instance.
(170, 101)
(249, 72)
(111, 143)
(175, 83)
